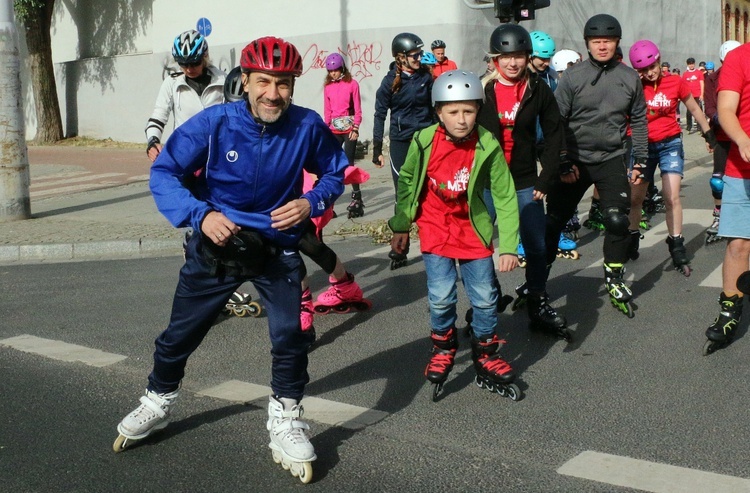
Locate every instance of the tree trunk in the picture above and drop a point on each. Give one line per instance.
(46, 104)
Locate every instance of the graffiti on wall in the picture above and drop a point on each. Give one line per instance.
(360, 58)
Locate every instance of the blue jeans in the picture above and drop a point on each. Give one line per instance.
(200, 297)
(668, 155)
(531, 228)
(478, 277)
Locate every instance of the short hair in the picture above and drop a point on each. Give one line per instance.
(690, 61)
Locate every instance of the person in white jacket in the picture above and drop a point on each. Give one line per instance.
(183, 94)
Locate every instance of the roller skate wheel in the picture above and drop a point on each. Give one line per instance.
(322, 309)
(342, 308)
(255, 309)
(437, 389)
(574, 255)
(121, 443)
(500, 389)
(478, 380)
(513, 392)
(708, 348)
(239, 312)
(302, 470)
(566, 335)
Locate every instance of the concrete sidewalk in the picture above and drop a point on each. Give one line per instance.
(122, 221)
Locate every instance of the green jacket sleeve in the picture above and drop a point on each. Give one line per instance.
(506, 203)
(408, 192)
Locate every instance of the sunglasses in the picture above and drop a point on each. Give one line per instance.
(191, 65)
(415, 56)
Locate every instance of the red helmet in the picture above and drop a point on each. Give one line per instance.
(272, 55)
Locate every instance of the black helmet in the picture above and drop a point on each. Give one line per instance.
(602, 25)
(438, 43)
(404, 43)
(509, 38)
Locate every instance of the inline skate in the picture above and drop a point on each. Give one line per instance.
(493, 372)
(342, 297)
(677, 250)
(645, 223)
(521, 256)
(307, 313)
(566, 247)
(522, 293)
(721, 332)
(572, 227)
(654, 202)
(712, 233)
(240, 304)
(595, 221)
(151, 416)
(619, 294)
(543, 317)
(444, 349)
(356, 207)
(635, 243)
(398, 260)
(290, 441)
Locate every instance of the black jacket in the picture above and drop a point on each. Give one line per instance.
(538, 101)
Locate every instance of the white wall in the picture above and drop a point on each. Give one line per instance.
(111, 55)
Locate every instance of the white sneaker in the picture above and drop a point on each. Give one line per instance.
(152, 415)
(289, 435)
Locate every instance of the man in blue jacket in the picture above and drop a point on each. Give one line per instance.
(248, 207)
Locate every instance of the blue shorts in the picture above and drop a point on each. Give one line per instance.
(735, 208)
(668, 155)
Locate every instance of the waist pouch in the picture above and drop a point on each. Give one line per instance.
(245, 254)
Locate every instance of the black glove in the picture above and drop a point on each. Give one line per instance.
(710, 138)
(152, 143)
(639, 165)
(566, 167)
(377, 151)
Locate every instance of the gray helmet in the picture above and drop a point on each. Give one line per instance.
(602, 25)
(233, 90)
(509, 38)
(438, 43)
(404, 43)
(457, 85)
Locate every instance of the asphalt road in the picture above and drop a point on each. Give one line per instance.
(630, 388)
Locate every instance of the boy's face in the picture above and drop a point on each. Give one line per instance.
(458, 117)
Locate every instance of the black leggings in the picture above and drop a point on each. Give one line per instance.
(312, 246)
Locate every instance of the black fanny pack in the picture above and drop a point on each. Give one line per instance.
(245, 254)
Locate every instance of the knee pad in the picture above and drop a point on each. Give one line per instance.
(717, 185)
(615, 221)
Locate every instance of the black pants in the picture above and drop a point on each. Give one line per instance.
(611, 179)
(689, 116)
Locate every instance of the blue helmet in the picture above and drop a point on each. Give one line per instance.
(189, 47)
(709, 65)
(542, 44)
(428, 59)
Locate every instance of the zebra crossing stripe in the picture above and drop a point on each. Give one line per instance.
(61, 351)
(320, 410)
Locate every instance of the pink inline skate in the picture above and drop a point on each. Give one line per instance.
(341, 297)
(307, 310)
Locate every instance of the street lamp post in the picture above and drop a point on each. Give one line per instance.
(15, 203)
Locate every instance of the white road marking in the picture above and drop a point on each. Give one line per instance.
(55, 176)
(321, 410)
(62, 350)
(649, 476)
(71, 189)
(714, 279)
(382, 251)
(654, 237)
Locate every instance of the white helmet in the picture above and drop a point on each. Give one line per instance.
(563, 58)
(726, 47)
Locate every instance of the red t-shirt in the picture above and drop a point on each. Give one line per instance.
(508, 100)
(735, 77)
(694, 78)
(443, 220)
(662, 99)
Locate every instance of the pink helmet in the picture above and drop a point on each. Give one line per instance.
(643, 53)
(334, 61)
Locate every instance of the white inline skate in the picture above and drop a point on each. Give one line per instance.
(290, 442)
(152, 415)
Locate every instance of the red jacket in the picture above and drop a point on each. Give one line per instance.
(445, 66)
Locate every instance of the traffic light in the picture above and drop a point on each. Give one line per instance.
(519, 10)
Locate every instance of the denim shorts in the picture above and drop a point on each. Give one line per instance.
(668, 155)
(735, 208)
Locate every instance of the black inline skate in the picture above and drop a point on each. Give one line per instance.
(444, 349)
(493, 372)
(356, 207)
(619, 294)
(712, 233)
(721, 332)
(635, 243)
(544, 318)
(654, 202)
(595, 220)
(572, 227)
(677, 250)
(241, 305)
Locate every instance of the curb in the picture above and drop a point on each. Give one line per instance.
(143, 247)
